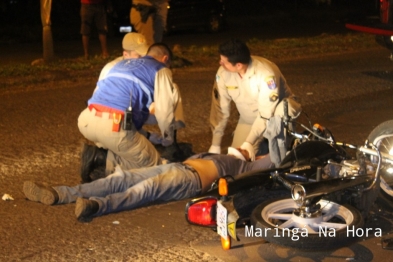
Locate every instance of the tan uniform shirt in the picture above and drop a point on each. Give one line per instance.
(167, 106)
(256, 96)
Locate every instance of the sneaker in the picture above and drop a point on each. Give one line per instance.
(40, 193)
(85, 209)
(91, 158)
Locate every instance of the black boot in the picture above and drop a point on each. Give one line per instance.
(98, 173)
(85, 209)
(92, 157)
(177, 152)
(100, 157)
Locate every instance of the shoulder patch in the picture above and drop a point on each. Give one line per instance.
(271, 82)
(217, 78)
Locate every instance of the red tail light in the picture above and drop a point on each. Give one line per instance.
(202, 211)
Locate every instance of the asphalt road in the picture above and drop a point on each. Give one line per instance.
(350, 94)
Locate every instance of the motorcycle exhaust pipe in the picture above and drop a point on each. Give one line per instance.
(300, 193)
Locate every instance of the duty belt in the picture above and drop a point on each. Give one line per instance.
(114, 114)
(104, 109)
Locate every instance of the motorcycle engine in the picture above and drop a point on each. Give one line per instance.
(344, 169)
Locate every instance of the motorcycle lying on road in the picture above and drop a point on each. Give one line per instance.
(316, 199)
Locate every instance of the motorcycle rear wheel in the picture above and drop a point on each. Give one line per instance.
(246, 201)
(277, 223)
(382, 137)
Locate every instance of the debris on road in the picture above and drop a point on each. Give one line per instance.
(7, 197)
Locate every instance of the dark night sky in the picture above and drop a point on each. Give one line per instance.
(22, 11)
(24, 15)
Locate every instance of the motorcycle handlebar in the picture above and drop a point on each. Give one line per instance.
(386, 158)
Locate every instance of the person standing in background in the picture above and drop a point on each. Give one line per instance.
(94, 12)
(148, 18)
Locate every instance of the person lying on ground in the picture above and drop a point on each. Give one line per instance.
(129, 189)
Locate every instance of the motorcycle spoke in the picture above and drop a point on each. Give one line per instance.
(288, 224)
(386, 145)
(279, 216)
(329, 225)
(327, 216)
(311, 229)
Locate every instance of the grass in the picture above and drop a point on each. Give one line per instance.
(62, 65)
(199, 56)
(288, 48)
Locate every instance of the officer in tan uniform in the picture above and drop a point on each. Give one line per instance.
(256, 86)
(145, 86)
(135, 46)
(149, 18)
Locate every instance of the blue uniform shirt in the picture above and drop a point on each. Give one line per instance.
(130, 78)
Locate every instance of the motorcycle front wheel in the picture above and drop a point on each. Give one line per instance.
(382, 138)
(333, 226)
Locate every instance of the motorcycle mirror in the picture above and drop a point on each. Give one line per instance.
(202, 211)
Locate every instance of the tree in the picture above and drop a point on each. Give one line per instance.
(47, 39)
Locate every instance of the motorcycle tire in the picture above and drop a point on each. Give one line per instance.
(276, 223)
(382, 137)
(247, 200)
